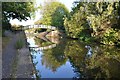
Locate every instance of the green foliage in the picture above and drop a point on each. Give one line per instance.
(38, 22)
(17, 27)
(13, 10)
(103, 23)
(19, 10)
(76, 25)
(109, 37)
(19, 44)
(99, 20)
(53, 14)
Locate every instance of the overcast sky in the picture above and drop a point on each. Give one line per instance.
(67, 3)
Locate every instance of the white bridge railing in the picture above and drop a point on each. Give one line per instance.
(40, 26)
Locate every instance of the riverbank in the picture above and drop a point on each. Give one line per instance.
(17, 63)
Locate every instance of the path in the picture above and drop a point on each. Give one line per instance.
(8, 55)
(16, 64)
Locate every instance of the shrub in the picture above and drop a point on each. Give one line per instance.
(19, 44)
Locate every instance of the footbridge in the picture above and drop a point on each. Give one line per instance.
(39, 26)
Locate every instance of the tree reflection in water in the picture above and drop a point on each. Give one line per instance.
(54, 58)
(104, 61)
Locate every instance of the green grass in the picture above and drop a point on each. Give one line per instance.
(19, 44)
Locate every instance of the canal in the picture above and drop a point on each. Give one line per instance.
(65, 58)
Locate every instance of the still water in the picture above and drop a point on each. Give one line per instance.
(64, 58)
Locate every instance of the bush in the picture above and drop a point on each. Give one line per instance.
(19, 44)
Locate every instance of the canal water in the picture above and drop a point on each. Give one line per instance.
(65, 58)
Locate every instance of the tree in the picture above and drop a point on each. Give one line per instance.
(97, 21)
(103, 23)
(76, 24)
(13, 10)
(53, 14)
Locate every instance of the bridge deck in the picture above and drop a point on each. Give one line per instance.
(40, 26)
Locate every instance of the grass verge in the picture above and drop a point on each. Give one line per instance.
(19, 44)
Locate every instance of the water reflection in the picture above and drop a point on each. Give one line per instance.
(89, 53)
(70, 58)
(104, 63)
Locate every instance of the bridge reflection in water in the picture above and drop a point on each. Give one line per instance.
(44, 48)
(52, 40)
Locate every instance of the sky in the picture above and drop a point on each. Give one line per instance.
(67, 3)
